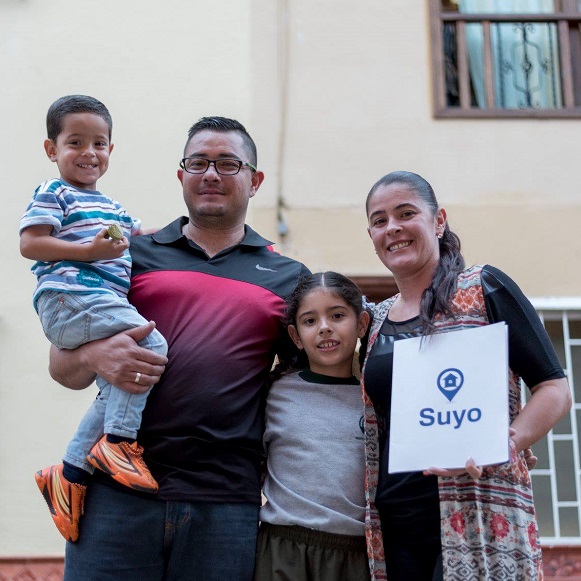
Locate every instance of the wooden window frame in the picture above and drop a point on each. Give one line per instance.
(568, 21)
(376, 288)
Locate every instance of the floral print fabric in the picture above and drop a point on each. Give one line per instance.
(488, 526)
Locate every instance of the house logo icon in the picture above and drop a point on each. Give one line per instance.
(450, 381)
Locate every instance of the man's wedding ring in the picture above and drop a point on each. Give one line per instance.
(137, 377)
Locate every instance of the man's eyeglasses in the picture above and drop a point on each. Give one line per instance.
(224, 167)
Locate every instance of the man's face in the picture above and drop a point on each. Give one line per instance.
(215, 200)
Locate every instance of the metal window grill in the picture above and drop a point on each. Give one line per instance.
(557, 478)
(491, 65)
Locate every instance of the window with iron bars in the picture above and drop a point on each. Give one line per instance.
(557, 476)
(506, 58)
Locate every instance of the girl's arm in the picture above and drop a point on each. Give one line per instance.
(36, 243)
(116, 359)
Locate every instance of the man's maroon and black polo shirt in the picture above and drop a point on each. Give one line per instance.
(202, 425)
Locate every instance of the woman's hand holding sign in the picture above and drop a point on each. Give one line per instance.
(476, 471)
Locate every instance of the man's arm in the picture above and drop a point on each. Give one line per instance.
(117, 359)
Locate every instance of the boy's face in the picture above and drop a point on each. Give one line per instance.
(81, 150)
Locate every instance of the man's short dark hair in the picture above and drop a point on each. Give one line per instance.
(74, 104)
(223, 124)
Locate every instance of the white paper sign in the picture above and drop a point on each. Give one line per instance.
(450, 400)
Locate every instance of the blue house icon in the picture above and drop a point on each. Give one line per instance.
(450, 380)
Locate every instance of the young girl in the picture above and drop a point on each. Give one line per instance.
(312, 524)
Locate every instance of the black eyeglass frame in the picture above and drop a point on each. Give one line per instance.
(214, 162)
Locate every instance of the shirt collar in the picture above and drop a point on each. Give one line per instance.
(173, 232)
(313, 377)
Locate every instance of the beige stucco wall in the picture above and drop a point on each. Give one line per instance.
(336, 94)
(359, 106)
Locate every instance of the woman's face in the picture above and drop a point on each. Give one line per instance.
(404, 230)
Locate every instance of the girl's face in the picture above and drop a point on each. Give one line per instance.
(404, 230)
(327, 328)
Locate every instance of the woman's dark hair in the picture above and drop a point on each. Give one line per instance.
(437, 297)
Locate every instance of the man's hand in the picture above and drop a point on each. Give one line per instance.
(117, 359)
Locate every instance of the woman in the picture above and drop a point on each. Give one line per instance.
(476, 523)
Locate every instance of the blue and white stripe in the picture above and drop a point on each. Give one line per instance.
(77, 216)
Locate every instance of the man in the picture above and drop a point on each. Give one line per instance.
(216, 292)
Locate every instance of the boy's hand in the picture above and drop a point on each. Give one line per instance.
(37, 243)
(102, 247)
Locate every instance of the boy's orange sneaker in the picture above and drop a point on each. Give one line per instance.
(124, 463)
(65, 500)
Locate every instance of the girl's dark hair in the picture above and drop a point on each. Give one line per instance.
(437, 297)
(332, 281)
(336, 283)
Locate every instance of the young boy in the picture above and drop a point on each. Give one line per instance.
(80, 240)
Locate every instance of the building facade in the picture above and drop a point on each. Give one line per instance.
(336, 95)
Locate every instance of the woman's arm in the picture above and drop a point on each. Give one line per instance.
(117, 359)
(550, 401)
(531, 356)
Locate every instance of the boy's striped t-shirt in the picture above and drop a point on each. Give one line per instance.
(77, 215)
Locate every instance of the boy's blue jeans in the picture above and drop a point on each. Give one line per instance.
(70, 320)
(125, 537)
